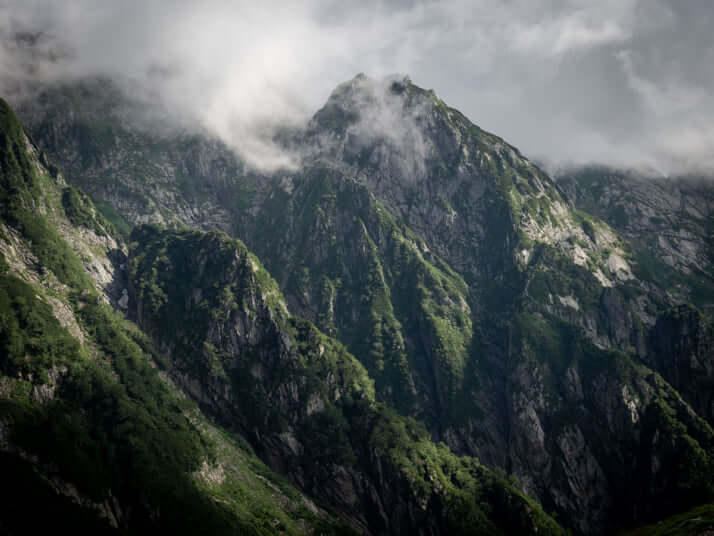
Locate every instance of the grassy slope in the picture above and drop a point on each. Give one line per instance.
(698, 521)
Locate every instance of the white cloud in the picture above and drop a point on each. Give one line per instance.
(545, 74)
(559, 36)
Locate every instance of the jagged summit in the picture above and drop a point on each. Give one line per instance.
(377, 103)
(363, 83)
(407, 125)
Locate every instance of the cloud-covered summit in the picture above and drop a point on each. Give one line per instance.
(621, 82)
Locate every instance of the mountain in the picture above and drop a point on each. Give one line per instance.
(92, 435)
(452, 297)
(112, 430)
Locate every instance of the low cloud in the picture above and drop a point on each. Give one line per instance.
(563, 35)
(621, 82)
(383, 120)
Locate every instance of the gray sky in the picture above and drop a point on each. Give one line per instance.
(620, 82)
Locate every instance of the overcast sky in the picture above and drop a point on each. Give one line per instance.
(621, 82)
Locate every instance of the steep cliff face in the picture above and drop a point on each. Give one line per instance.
(306, 404)
(472, 206)
(512, 324)
(683, 352)
(668, 225)
(595, 422)
(347, 264)
(667, 222)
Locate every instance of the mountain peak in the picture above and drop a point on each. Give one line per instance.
(364, 82)
(364, 94)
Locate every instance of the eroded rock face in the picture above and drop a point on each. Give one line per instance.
(666, 221)
(682, 343)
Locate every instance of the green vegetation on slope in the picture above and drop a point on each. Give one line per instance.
(310, 389)
(87, 425)
(127, 437)
(79, 211)
(28, 328)
(683, 462)
(21, 201)
(369, 281)
(698, 521)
